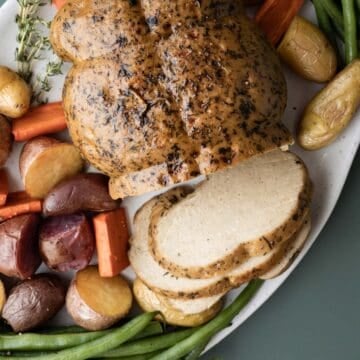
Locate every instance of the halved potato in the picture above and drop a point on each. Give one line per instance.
(151, 301)
(45, 162)
(95, 302)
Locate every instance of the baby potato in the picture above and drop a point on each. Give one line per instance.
(33, 302)
(308, 52)
(5, 140)
(96, 303)
(331, 109)
(83, 192)
(15, 94)
(66, 242)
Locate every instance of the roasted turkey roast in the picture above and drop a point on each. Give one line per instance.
(163, 91)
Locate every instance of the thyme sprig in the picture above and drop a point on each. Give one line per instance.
(33, 41)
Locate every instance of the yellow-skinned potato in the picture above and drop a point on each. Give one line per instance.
(331, 109)
(308, 52)
(96, 303)
(15, 94)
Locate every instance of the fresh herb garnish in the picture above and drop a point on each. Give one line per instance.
(32, 41)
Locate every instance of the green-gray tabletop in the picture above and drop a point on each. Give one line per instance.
(315, 315)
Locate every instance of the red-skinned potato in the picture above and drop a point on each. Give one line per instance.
(45, 162)
(66, 242)
(5, 140)
(95, 302)
(33, 302)
(83, 192)
(19, 254)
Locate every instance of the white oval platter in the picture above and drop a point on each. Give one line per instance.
(328, 167)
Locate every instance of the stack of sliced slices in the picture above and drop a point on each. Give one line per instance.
(192, 245)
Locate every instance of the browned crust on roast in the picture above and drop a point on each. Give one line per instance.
(256, 247)
(164, 91)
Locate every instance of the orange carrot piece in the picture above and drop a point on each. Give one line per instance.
(19, 203)
(4, 187)
(112, 237)
(40, 120)
(275, 16)
(59, 3)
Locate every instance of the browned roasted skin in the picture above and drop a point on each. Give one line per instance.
(162, 91)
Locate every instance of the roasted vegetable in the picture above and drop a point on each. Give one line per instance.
(2, 296)
(83, 192)
(19, 203)
(45, 162)
(5, 140)
(96, 303)
(308, 52)
(66, 242)
(33, 302)
(15, 94)
(19, 254)
(331, 109)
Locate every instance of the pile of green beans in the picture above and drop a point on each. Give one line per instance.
(340, 19)
(141, 338)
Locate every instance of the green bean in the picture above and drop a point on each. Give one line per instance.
(59, 339)
(135, 357)
(212, 327)
(351, 47)
(150, 344)
(196, 352)
(62, 330)
(327, 27)
(30, 341)
(358, 5)
(334, 12)
(115, 338)
(154, 328)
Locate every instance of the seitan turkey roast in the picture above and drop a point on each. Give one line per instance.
(163, 91)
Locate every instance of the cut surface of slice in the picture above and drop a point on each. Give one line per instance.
(291, 254)
(162, 281)
(169, 308)
(235, 214)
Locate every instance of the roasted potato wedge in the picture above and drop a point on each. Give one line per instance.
(308, 52)
(5, 140)
(19, 254)
(150, 301)
(66, 242)
(83, 192)
(33, 302)
(45, 162)
(95, 302)
(331, 109)
(15, 94)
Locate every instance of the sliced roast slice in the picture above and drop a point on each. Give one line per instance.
(162, 281)
(236, 214)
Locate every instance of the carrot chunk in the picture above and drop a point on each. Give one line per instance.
(59, 3)
(40, 120)
(19, 203)
(4, 187)
(112, 236)
(275, 16)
